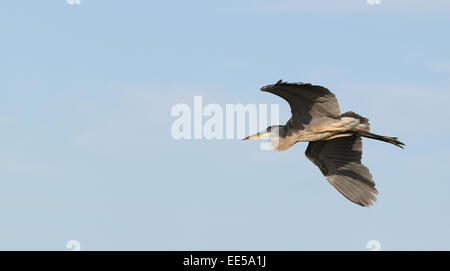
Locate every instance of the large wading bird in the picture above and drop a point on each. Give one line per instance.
(334, 138)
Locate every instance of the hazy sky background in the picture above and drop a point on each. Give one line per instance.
(86, 151)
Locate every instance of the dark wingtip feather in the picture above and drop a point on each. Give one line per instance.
(265, 88)
(281, 83)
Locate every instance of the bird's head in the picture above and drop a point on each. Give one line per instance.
(274, 133)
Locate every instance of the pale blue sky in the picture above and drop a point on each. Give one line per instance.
(86, 151)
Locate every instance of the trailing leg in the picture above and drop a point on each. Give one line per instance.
(388, 139)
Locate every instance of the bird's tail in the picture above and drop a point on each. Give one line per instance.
(388, 139)
(363, 122)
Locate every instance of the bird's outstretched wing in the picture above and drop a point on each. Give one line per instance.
(306, 101)
(339, 160)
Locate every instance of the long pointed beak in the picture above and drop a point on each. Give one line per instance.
(258, 135)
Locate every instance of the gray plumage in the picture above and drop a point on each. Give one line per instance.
(339, 160)
(334, 139)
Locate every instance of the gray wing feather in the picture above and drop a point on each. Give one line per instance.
(339, 160)
(306, 101)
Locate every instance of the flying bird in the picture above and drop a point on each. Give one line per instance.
(334, 139)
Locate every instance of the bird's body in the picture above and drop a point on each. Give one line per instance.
(319, 129)
(334, 139)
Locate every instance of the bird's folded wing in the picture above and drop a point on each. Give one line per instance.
(339, 160)
(307, 101)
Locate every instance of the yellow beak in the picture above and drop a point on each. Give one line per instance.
(258, 135)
